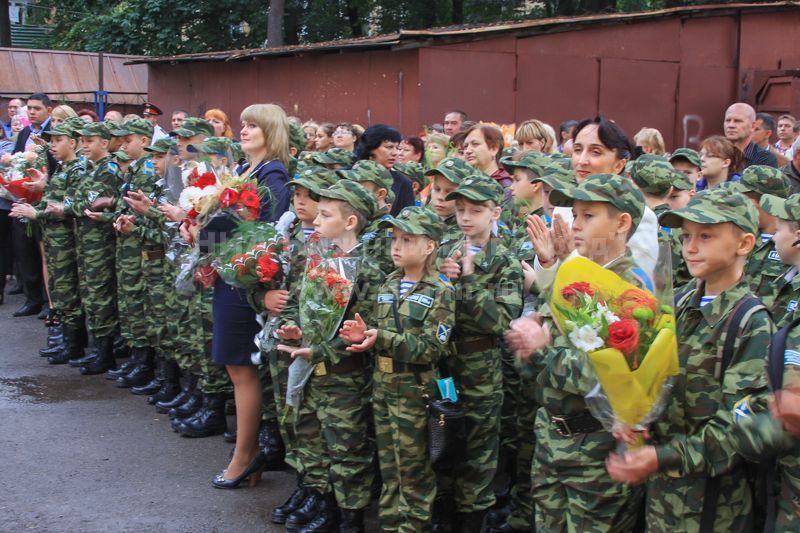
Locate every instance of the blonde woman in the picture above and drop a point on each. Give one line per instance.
(650, 141)
(219, 119)
(436, 146)
(265, 143)
(60, 114)
(535, 135)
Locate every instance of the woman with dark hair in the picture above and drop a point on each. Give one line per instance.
(412, 149)
(323, 141)
(88, 115)
(601, 147)
(379, 143)
(483, 147)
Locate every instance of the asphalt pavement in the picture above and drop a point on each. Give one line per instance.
(80, 455)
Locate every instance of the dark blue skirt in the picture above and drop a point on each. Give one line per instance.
(234, 326)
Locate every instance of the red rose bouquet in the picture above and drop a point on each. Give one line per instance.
(13, 173)
(209, 192)
(257, 255)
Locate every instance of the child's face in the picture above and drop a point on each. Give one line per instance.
(595, 231)
(133, 145)
(785, 236)
(330, 222)
(678, 198)
(765, 220)
(521, 187)
(410, 250)
(548, 207)
(61, 147)
(304, 206)
(94, 147)
(688, 169)
(183, 146)
(160, 163)
(439, 191)
(712, 249)
(475, 219)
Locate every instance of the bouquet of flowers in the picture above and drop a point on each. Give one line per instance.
(257, 255)
(628, 336)
(325, 292)
(13, 173)
(208, 192)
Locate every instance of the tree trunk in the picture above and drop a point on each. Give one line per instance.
(5, 25)
(354, 20)
(275, 24)
(458, 11)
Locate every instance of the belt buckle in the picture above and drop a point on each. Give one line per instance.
(386, 364)
(320, 369)
(561, 426)
(145, 255)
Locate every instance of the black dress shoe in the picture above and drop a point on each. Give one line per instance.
(230, 436)
(29, 309)
(282, 512)
(44, 313)
(306, 512)
(15, 289)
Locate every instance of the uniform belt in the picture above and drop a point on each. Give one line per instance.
(152, 254)
(387, 365)
(476, 344)
(566, 426)
(345, 366)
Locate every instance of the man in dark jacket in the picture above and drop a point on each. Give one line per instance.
(792, 169)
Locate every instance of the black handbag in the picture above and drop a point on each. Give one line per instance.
(447, 434)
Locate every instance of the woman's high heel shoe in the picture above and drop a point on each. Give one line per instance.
(252, 473)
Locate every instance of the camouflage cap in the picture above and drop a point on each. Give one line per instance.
(607, 188)
(762, 179)
(161, 146)
(368, 170)
(536, 162)
(66, 129)
(715, 206)
(414, 171)
(783, 208)
(297, 137)
(654, 176)
(558, 174)
(479, 188)
(682, 182)
(509, 152)
(453, 169)
(352, 193)
(112, 126)
(120, 155)
(192, 126)
(417, 220)
(314, 177)
(134, 126)
(688, 154)
(334, 156)
(95, 129)
(212, 145)
(236, 151)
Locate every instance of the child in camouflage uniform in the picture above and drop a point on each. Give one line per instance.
(414, 313)
(692, 471)
(783, 300)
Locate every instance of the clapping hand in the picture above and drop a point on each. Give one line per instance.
(450, 266)
(528, 335)
(290, 333)
(356, 331)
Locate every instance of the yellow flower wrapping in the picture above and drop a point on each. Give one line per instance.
(631, 393)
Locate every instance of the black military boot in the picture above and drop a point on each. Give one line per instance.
(154, 385)
(72, 348)
(444, 508)
(170, 383)
(505, 528)
(469, 522)
(305, 513)
(293, 503)
(189, 384)
(507, 474)
(192, 404)
(121, 348)
(105, 358)
(209, 420)
(90, 356)
(123, 370)
(327, 518)
(352, 521)
(55, 341)
(271, 444)
(141, 373)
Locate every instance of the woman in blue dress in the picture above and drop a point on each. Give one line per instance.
(265, 142)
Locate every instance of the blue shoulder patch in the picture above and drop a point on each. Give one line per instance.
(112, 167)
(648, 284)
(148, 167)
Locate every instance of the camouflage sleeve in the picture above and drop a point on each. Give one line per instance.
(709, 450)
(155, 215)
(759, 437)
(495, 302)
(564, 368)
(147, 230)
(426, 344)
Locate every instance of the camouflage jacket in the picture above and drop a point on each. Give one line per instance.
(60, 186)
(520, 244)
(140, 176)
(680, 272)
(783, 300)
(692, 433)
(100, 179)
(763, 268)
(377, 242)
(426, 312)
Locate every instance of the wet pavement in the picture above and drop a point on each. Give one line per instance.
(79, 455)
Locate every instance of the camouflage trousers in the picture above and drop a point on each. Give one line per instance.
(401, 435)
(332, 433)
(131, 291)
(61, 257)
(213, 378)
(521, 516)
(279, 377)
(509, 436)
(178, 325)
(479, 381)
(155, 276)
(676, 503)
(572, 489)
(96, 266)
